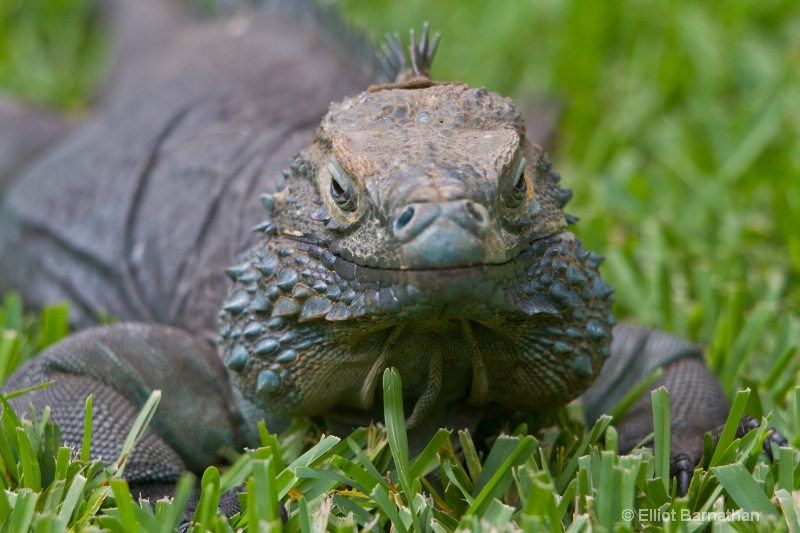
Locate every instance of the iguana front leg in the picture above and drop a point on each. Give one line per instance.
(199, 414)
(697, 402)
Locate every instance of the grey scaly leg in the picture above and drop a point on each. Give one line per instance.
(697, 402)
(199, 413)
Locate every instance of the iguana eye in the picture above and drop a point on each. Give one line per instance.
(340, 188)
(518, 186)
(338, 193)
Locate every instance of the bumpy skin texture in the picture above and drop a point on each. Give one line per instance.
(419, 229)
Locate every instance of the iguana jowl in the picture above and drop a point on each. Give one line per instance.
(419, 229)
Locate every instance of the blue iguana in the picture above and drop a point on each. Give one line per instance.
(416, 227)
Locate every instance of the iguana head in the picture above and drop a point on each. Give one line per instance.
(421, 230)
(432, 177)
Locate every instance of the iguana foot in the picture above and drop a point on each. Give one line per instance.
(152, 492)
(228, 506)
(697, 402)
(749, 423)
(120, 366)
(687, 453)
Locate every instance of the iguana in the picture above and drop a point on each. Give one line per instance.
(418, 228)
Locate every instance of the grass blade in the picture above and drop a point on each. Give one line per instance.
(744, 490)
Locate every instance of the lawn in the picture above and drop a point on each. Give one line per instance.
(677, 124)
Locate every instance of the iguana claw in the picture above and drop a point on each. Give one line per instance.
(682, 465)
(682, 469)
(749, 423)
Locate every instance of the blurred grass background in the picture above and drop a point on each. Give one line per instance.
(51, 51)
(679, 131)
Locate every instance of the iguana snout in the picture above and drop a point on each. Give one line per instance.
(441, 235)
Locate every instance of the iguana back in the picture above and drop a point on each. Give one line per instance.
(137, 212)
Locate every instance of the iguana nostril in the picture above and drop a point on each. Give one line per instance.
(409, 220)
(404, 218)
(471, 216)
(474, 213)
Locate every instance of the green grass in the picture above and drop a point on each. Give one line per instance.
(680, 133)
(338, 484)
(52, 52)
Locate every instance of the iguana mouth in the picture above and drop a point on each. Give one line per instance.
(311, 281)
(521, 259)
